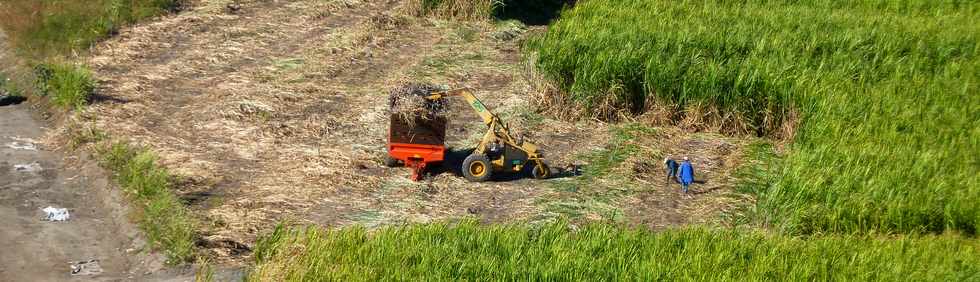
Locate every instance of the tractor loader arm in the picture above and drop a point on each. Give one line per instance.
(497, 130)
(471, 99)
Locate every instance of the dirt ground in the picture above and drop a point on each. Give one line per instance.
(33, 177)
(276, 112)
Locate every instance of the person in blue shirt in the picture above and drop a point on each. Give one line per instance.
(686, 174)
(671, 169)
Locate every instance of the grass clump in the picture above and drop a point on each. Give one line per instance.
(882, 94)
(44, 29)
(67, 85)
(603, 180)
(165, 220)
(470, 251)
(453, 9)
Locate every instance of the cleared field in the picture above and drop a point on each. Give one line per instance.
(470, 251)
(885, 91)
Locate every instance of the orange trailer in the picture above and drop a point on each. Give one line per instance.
(416, 144)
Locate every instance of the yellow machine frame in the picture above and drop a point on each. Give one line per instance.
(496, 131)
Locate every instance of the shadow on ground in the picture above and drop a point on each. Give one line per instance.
(533, 12)
(454, 162)
(11, 100)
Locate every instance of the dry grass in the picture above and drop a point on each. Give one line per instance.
(476, 10)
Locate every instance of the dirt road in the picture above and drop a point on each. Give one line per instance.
(32, 178)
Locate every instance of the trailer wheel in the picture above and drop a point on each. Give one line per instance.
(390, 162)
(477, 168)
(540, 171)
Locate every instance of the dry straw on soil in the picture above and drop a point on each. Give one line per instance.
(452, 9)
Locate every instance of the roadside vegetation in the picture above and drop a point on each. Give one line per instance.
(166, 221)
(67, 85)
(886, 92)
(472, 251)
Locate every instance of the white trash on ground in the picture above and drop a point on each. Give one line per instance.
(31, 167)
(56, 214)
(22, 146)
(90, 267)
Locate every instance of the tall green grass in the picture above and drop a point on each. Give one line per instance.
(43, 29)
(887, 91)
(470, 251)
(67, 85)
(167, 222)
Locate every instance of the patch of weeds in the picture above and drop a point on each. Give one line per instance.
(508, 30)
(368, 218)
(7, 88)
(600, 185)
(288, 64)
(472, 57)
(590, 206)
(167, 223)
(439, 64)
(526, 115)
(631, 131)
(205, 272)
(85, 135)
(602, 162)
(68, 86)
(465, 33)
(442, 65)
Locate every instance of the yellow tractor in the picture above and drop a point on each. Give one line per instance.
(498, 151)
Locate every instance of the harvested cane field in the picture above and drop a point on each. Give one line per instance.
(879, 98)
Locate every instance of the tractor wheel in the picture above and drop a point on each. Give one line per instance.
(477, 168)
(390, 162)
(540, 171)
